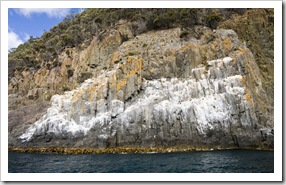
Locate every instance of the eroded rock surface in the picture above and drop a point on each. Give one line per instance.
(157, 89)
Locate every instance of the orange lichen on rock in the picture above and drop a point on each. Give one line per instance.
(170, 58)
(170, 52)
(92, 91)
(132, 72)
(194, 46)
(99, 92)
(137, 67)
(243, 51)
(243, 80)
(115, 57)
(212, 47)
(227, 43)
(112, 79)
(120, 84)
(89, 51)
(186, 47)
(75, 96)
(140, 64)
(91, 96)
(248, 98)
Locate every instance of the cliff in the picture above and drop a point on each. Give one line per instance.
(180, 87)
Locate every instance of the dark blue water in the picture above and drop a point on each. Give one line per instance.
(233, 161)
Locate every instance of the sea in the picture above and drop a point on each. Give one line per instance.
(223, 161)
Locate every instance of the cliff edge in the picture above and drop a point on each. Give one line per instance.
(180, 87)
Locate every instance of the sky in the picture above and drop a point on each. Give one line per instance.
(26, 22)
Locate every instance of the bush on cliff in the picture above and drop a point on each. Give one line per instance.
(81, 28)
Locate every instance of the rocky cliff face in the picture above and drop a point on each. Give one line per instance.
(192, 87)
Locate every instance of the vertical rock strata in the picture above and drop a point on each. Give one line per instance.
(158, 89)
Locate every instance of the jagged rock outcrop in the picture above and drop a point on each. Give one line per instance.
(193, 87)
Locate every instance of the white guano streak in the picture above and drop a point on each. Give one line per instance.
(163, 95)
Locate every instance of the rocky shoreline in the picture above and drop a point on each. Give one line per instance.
(125, 150)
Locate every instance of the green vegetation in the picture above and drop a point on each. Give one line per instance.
(84, 76)
(132, 53)
(70, 73)
(213, 19)
(79, 30)
(66, 88)
(117, 61)
(184, 33)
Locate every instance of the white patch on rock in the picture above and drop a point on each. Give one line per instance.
(117, 107)
(198, 100)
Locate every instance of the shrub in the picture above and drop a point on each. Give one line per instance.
(184, 34)
(70, 73)
(19, 68)
(67, 40)
(117, 61)
(66, 88)
(213, 19)
(84, 76)
(131, 53)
